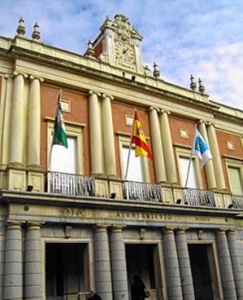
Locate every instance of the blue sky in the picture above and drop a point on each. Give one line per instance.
(203, 38)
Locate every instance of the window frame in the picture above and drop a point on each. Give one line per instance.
(73, 130)
(186, 153)
(236, 164)
(124, 142)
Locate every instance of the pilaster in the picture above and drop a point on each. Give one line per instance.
(108, 137)
(158, 155)
(167, 146)
(34, 123)
(217, 163)
(17, 126)
(211, 180)
(96, 143)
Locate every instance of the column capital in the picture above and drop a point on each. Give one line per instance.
(221, 231)
(151, 108)
(101, 228)
(13, 224)
(15, 74)
(208, 123)
(117, 228)
(201, 121)
(163, 111)
(90, 93)
(181, 230)
(33, 77)
(34, 225)
(169, 230)
(231, 231)
(104, 96)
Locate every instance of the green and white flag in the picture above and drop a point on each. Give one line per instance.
(59, 136)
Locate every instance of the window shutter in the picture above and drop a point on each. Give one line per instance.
(235, 181)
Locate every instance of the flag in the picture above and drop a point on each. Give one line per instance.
(200, 149)
(139, 139)
(59, 136)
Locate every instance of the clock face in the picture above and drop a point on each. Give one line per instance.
(124, 52)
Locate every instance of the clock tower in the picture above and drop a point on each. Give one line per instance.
(119, 44)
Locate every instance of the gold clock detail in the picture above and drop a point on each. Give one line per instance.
(124, 52)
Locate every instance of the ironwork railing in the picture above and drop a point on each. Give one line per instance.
(198, 197)
(70, 184)
(237, 201)
(142, 191)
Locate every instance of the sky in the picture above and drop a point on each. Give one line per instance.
(203, 38)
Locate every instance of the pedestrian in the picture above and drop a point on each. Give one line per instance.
(138, 289)
(93, 296)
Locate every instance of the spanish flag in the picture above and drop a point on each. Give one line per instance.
(139, 139)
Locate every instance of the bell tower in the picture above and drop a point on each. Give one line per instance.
(119, 44)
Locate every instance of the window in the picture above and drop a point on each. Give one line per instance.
(64, 159)
(138, 166)
(235, 179)
(135, 168)
(192, 179)
(67, 160)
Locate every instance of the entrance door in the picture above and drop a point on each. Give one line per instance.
(203, 271)
(144, 260)
(66, 270)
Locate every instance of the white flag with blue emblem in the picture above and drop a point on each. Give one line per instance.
(200, 149)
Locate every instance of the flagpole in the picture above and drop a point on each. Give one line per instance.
(50, 153)
(190, 161)
(130, 147)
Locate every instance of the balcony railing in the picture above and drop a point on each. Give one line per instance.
(142, 191)
(196, 197)
(88, 186)
(237, 201)
(70, 184)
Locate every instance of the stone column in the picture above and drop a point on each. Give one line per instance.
(108, 137)
(13, 273)
(217, 163)
(235, 259)
(225, 265)
(118, 265)
(171, 265)
(17, 126)
(168, 148)
(5, 134)
(33, 263)
(96, 148)
(211, 180)
(102, 264)
(158, 155)
(34, 126)
(184, 263)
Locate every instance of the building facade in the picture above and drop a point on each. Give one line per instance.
(69, 222)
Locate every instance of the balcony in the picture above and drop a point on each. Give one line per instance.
(237, 201)
(196, 197)
(70, 184)
(88, 186)
(142, 191)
